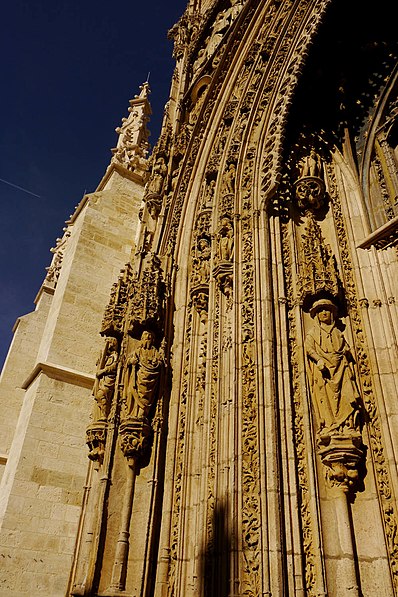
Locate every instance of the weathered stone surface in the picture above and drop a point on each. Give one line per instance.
(242, 428)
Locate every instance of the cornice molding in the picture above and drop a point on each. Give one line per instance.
(60, 373)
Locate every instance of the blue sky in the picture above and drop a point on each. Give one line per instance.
(68, 70)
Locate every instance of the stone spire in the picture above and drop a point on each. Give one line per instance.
(132, 146)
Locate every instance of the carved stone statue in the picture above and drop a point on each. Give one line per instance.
(202, 262)
(142, 376)
(236, 7)
(226, 239)
(149, 218)
(215, 38)
(105, 380)
(209, 193)
(311, 165)
(330, 372)
(229, 179)
(219, 28)
(155, 185)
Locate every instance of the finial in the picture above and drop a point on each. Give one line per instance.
(145, 89)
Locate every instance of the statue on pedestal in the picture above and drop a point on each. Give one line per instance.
(331, 373)
(335, 397)
(142, 376)
(105, 380)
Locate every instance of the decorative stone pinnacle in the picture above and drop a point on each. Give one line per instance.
(145, 91)
(132, 146)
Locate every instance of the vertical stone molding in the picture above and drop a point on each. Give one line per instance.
(241, 417)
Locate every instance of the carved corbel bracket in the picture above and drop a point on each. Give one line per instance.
(223, 273)
(135, 436)
(95, 440)
(200, 299)
(153, 200)
(310, 192)
(341, 453)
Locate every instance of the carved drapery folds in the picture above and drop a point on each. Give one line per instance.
(331, 375)
(125, 392)
(152, 203)
(143, 361)
(103, 394)
(140, 384)
(223, 270)
(148, 216)
(242, 350)
(141, 377)
(201, 260)
(335, 395)
(136, 305)
(221, 22)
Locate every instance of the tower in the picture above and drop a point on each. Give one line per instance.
(242, 431)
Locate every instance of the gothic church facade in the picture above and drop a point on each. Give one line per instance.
(223, 421)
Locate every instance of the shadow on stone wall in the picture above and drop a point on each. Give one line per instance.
(215, 579)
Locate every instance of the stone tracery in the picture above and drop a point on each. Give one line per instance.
(223, 212)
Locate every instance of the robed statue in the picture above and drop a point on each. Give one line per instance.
(330, 372)
(142, 376)
(105, 380)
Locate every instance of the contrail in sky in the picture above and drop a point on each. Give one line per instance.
(20, 188)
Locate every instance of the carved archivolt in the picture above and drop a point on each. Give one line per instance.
(310, 567)
(206, 178)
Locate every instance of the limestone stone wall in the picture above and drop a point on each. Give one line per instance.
(46, 392)
(19, 363)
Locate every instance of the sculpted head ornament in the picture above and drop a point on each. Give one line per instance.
(323, 305)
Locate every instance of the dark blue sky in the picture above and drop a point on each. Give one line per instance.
(68, 70)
